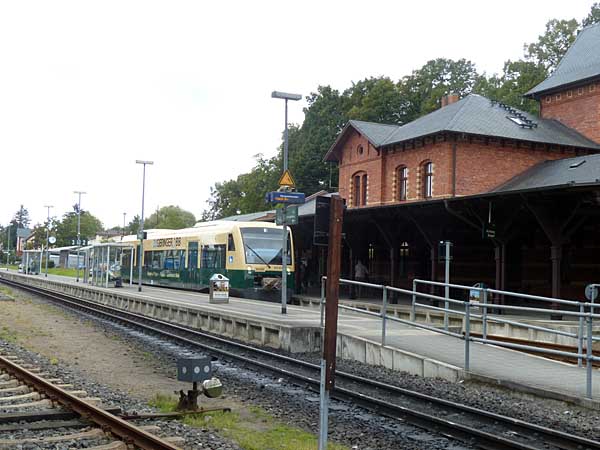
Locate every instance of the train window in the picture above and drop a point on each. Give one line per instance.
(230, 243)
(213, 257)
(263, 246)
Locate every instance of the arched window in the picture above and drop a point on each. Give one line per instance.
(401, 183)
(359, 189)
(427, 179)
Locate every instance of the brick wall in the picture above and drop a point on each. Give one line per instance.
(352, 161)
(577, 108)
(480, 166)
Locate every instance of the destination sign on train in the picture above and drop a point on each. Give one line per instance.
(288, 198)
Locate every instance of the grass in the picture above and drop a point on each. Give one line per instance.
(66, 272)
(251, 429)
(8, 335)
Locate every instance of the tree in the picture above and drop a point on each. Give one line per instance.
(246, 193)
(517, 78)
(170, 217)
(553, 44)
(593, 16)
(374, 100)
(133, 226)
(66, 229)
(422, 90)
(21, 218)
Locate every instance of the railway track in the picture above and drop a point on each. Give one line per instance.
(475, 427)
(31, 403)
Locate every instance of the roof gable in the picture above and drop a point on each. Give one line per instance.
(375, 133)
(580, 63)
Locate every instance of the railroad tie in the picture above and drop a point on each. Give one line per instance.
(116, 445)
(39, 404)
(22, 389)
(36, 396)
(94, 433)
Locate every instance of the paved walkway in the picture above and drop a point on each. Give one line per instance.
(486, 360)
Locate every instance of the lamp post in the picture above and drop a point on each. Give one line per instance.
(124, 215)
(7, 245)
(295, 97)
(79, 193)
(48, 238)
(141, 231)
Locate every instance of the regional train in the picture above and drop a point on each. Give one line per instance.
(248, 253)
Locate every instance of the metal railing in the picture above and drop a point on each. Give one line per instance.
(584, 312)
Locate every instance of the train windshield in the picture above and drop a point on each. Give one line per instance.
(263, 246)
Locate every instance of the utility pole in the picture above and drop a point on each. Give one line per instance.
(334, 253)
(141, 231)
(48, 238)
(124, 215)
(79, 193)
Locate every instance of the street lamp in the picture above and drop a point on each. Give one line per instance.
(48, 238)
(141, 231)
(79, 193)
(295, 97)
(7, 245)
(124, 215)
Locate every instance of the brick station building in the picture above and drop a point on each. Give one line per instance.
(474, 165)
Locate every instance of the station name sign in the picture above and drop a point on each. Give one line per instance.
(166, 242)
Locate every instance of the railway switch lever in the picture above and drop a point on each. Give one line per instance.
(197, 370)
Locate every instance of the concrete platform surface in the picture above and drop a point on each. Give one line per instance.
(503, 365)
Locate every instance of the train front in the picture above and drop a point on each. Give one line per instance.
(260, 256)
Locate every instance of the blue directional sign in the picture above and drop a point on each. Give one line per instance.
(285, 198)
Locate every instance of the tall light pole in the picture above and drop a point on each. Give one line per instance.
(124, 215)
(141, 231)
(79, 193)
(47, 238)
(295, 97)
(7, 245)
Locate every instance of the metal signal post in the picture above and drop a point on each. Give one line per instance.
(285, 96)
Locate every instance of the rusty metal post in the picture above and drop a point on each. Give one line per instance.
(331, 312)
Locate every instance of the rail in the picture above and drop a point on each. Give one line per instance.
(108, 422)
(585, 314)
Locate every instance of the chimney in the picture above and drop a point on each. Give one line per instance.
(448, 99)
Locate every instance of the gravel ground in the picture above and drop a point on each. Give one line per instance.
(349, 425)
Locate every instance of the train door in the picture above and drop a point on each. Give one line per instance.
(192, 264)
(212, 261)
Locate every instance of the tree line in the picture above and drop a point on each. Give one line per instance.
(383, 100)
(64, 228)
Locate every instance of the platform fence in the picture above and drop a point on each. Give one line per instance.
(583, 312)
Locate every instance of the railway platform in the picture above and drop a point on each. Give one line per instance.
(407, 348)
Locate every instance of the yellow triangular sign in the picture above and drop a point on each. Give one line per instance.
(287, 180)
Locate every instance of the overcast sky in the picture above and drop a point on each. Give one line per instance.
(86, 88)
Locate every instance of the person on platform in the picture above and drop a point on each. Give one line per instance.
(361, 273)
